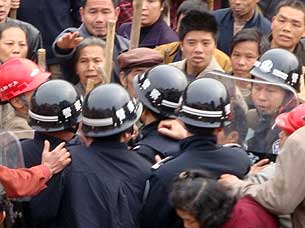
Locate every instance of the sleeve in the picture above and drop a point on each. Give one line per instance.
(286, 189)
(157, 212)
(62, 54)
(24, 182)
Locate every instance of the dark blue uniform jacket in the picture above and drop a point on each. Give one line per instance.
(196, 153)
(103, 187)
(151, 143)
(39, 213)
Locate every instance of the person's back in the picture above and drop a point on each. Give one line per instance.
(112, 196)
(199, 149)
(105, 184)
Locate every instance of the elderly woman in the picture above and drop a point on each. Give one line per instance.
(203, 203)
(13, 41)
(88, 60)
(154, 30)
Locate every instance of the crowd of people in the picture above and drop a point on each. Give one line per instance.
(201, 125)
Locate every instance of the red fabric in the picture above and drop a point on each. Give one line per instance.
(126, 12)
(247, 213)
(24, 182)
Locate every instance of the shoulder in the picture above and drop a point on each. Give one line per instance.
(221, 13)
(125, 28)
(29, 27)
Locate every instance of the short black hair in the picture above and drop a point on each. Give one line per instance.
(204, 198)
(190, 5)
(84, 2)
(296, 4)
(197, 21)
(251, 34)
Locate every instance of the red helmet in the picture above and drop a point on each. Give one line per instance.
(291, 121)
(19, 75)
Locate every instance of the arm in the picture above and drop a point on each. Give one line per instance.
(24, 182)
(286, 190)
(64, 44)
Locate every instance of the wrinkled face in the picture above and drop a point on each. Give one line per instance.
(188, 220)
(243, 57)
(151, 11)
(127, 80)
(282, 137)
(95, 15)
(242, 8)
(5, 6)
(287, 28)
(198, 47)
(267, 98)
(86, 66)
(13, 43)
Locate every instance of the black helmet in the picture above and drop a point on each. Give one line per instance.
(278, 66)
(205, 103)
(160, 88)
(55, 106)
(108, 110)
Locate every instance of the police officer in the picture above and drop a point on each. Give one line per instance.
(104, 185)
(204, 109)
(159, 89)
(277, 66)
(55, 112)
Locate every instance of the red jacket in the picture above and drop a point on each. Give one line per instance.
(247, 213)
(24, 182)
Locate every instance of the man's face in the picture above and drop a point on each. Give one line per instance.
(5, 6)
(87, 65)
(198, 47)
(287, 28)
(243, 57)
(13, 43)
(127, 80)
(95, 15)
(267, 98)
(242, 9)
(151, 11)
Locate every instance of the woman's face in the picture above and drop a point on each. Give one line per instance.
(188, 220)
(87, 64)
(243, 57)
(13, 43)
(151, 11)
(267, 98)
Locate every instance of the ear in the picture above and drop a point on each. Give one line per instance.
(123, 79)
(125, 137)
(117, 12)
(233, 137)
(81, 12)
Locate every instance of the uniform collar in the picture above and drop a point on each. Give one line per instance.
(198, 143)
(149, 128)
